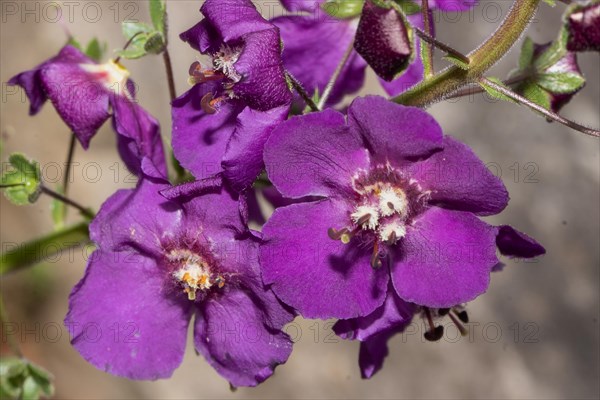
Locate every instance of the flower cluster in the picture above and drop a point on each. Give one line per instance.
(377, 211)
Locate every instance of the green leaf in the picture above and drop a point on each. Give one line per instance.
(141, 34)
(155, 43)
(158, 14)
(526, 56)
(551, 3)
(95, 50)
(29, 253)
(21, 180)
(343, 9)
(532, 92)
(455, 60)
(493, 92)
(560, 82)
(130, 28)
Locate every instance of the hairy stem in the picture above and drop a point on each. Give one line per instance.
(298, 88)
(493, 49)
(169, 70)
(427, 46)
(84, 211)
(547, 113)
(335, 76)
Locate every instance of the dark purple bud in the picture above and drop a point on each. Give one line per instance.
(384, 40)
(583, 25)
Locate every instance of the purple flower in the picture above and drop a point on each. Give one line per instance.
(84, 93)
(222, 123)
(315, 42)
(583, 26)
(399, 203)
(159, 263)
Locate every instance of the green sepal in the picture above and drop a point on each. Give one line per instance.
(526, 56)
(454, 60)
(560, 82)
(158, 14)
(343, 9)
(554, 52)
(22, 181)
(534, 93)
(493, 92)
(95, 50)
(142, 32)
(21, 379)
(408, 7)
(155, 43)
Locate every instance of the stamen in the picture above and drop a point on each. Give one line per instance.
(434, 333)
(375, 260)
(459, 325)
(199, 75)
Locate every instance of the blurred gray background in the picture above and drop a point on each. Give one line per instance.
(537, 334)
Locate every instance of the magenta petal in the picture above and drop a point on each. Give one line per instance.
(243, 158)
(126, 326)
(445, 259)
(80, 100)
(318, 276)
(314, 155)
(459, 180)
(200, 139)
(231, 334)
(513, 243)
(393, 314)
(393, 132)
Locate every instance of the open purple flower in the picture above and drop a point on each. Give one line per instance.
(315, 42)
(84, 93)
(159, 263)
(400, 203)
(222, 123)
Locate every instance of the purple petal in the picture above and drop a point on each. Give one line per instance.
(200, 139)
(459, 180)
(513, 243)
(31, 81)
(445, 259)
(231, 334)
(263, 86)
(372, 353)
(313, 155)
(584, 28)
(137, 218)
(393, 132)
(139, 135)
(319, 277)
(243, 158)
(189, 190)
(313, 48)
(123, 325)
(202, 37)
(232, 19)
(79, 98)
(393, 314)
(302, 5)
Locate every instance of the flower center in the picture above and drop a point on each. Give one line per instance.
(193, 273)
(223, 69)
(112, 75)
(385, 203)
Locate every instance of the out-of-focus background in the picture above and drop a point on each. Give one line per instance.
(535, 334)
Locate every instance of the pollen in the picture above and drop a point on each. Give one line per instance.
(366, 216)
(194, 275)
(224, 61)
(392, 232)
(393, 201)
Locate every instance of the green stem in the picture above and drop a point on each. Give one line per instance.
(335, 76)
(427, 46)
(37, 250)
(300, 90)
(493, 49)
(12, 343)
(84, 211)
(169, 71)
